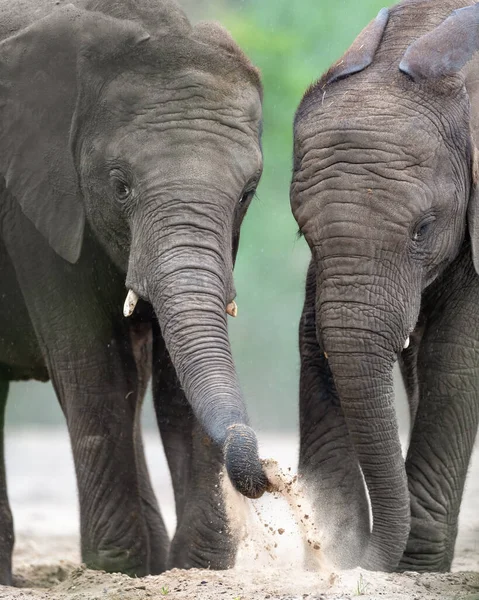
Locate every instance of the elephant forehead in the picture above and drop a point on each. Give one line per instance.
(174, 152)
(389, 134)
(182, 96)
(376, 108)
(376, 150)
(357, 199)
(363, 174)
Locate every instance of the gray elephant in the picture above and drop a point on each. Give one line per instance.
(130, 151)
(385, 192)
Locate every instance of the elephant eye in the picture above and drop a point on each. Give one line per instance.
(246, 197)
(120, 186)
(423, 228)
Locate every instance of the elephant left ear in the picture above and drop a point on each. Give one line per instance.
(473, 210)
(38, 98)
(362, 51)
(446, 49)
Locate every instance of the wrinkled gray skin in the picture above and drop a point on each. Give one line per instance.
(130, 150)
(384, 193)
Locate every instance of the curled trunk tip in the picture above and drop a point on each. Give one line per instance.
(242, 462)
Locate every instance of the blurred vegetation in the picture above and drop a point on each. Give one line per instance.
(292, 43)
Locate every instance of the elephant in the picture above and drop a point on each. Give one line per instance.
(384, 191)
(130, 151)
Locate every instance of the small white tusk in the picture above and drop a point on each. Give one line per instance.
(130, 303)
(232, 309)
(406, 343)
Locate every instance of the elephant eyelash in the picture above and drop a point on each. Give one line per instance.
(423, 228)
(248, 197)
(299, 234)
(121, 185)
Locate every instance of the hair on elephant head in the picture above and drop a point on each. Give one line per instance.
(122, 118)
(383, 190)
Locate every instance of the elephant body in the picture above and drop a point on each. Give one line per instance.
(384, 191)
(103, 108)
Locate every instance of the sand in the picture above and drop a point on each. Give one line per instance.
(270, 560)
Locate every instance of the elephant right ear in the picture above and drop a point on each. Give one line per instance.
(361, 53)
(38, 94)
(446, 49)
(443, 52)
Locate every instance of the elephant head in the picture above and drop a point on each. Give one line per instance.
(144, 131)
(383, 191)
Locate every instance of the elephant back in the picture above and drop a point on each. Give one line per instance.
(159, 16)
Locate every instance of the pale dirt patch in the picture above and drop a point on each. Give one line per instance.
(71, 582)
(270, 560)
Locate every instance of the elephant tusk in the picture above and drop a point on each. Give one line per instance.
(130, 303)
(326, 355)
(406, 343)
(232, 309)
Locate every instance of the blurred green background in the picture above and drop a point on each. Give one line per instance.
(292, 43)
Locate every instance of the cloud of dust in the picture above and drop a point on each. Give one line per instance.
(281, 545)
(277, 532)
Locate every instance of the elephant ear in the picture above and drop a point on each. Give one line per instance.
(446, 49)
(38, 92)
(361, 54)
(473, 210)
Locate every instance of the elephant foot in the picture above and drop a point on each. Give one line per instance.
(430, 547)
(191, 552)
(117, 560)
(7, 539)
(425, 562)
(204, 538)
(136, 558)
(6, 574)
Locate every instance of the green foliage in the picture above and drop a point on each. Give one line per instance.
(361, 586)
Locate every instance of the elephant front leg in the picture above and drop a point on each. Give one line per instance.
(203, 538)
(446, 422)
(327, 460)
(140, 338)
(90, 356)
(6, 521)
(99, 398)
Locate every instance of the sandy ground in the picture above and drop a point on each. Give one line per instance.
(47, 563)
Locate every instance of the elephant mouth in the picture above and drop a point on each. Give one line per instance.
(132, 298)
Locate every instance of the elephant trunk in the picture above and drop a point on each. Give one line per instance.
(357, 334)
(185, 271)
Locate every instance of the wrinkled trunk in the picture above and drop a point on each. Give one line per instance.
(361, 335)
(183, 266)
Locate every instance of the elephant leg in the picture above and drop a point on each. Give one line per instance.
(6, 522)
(203, 538)
(140, 335)
(447, 419)
(99, 402)
(327, 460)
(86, 345)
(157, 535)
(121, 526)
